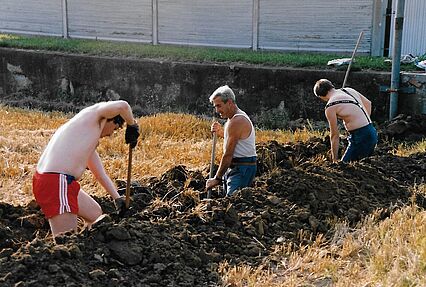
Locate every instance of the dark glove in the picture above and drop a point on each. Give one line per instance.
(132, 134)
(120, 204)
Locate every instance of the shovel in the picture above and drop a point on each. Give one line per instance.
(209, 191)
(129, 177)
(352, 59)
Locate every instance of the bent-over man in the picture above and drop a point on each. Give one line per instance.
(69, 152)
(237, 167)
(354, 109)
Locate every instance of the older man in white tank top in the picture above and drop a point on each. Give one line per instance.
(237, 167)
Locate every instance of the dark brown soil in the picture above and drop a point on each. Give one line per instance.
(171, 238)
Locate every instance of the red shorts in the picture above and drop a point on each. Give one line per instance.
(56, 193)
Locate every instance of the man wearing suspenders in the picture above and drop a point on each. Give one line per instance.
(237, 167)
(354, 109)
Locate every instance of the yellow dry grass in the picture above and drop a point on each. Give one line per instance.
(406, 150)
(387, 253)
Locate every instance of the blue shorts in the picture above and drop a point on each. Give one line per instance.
(362, 142)
(240, 174)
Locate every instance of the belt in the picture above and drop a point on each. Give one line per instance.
(244, 159)
(247, 161)
(242, 163)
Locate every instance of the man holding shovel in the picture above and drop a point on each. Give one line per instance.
(69, 152)
(354, 109)
(237, 167)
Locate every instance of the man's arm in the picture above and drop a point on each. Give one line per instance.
(365, 102)
(95, 165)
(334, 133)
(111, 109)
(234, 134)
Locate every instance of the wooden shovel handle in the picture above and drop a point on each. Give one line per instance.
(129, 177)
(352, 59)
(209, 192)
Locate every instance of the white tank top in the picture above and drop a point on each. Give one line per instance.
(245, 147)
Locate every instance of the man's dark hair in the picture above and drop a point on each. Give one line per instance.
(117, 120)
(322, 87)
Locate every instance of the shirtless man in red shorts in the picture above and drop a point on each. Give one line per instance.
(69, 152)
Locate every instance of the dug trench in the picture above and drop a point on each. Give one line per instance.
(172, 237)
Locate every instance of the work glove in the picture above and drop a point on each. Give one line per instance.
(120, 204)
(132, 134)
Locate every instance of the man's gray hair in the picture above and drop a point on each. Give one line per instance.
(224, 92)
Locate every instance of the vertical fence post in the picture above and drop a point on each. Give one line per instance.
(255, 25)
(396, 58)
(155, 22)
(65, 19)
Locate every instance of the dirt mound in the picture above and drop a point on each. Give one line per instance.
(171, 237)
(406, 127)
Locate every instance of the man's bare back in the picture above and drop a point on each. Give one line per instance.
(355, 110)
(352, 116)
(72, 145)
(70, 151)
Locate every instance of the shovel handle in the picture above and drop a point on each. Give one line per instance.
(352, 59)
(213, 155)
(209, 192)
(129, 177)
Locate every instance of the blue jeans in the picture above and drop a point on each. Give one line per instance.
(239, 175)
(362, 142)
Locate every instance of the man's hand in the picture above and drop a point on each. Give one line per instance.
(120, 204)
(216, 127)
(132, 134)
(212, 182)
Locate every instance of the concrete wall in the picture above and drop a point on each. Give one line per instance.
(55, 81)
(413, 103)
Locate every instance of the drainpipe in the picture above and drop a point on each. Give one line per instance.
(396, 58)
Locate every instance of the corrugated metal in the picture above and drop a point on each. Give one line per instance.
(126, 19)
(312, 25)
(414, 29)
(205, 22)
(31, 16)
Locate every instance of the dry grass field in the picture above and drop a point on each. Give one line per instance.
(389, 252)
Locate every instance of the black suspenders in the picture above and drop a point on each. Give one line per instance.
(349, 102)
(362, 108)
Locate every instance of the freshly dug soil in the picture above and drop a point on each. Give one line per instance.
(172, 237)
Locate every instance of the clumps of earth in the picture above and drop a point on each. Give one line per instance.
(173, 236)
(405, 127)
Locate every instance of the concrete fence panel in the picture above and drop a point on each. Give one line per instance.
(313, 25)
(107, 19)
(38, 17)
(204, 22)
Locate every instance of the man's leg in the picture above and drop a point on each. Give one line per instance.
(361, 144)
(350, 153)
(248, 172)
(88, 208)
(232, 180)
(63, 223)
